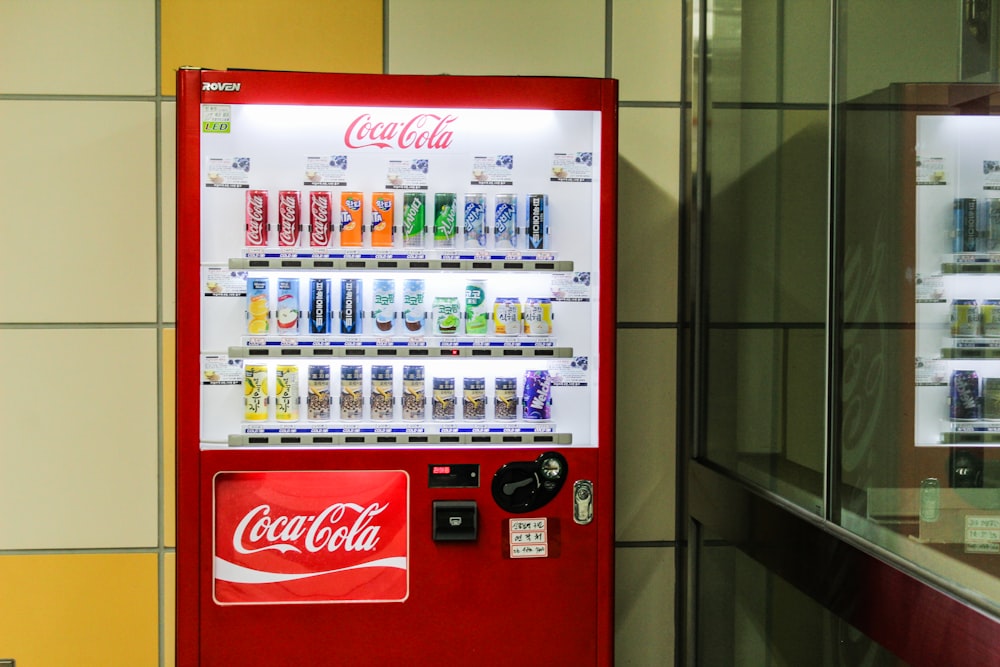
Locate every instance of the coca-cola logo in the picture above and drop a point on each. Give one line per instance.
(423, 131)
(288, 219)
(346, 526)
(333, 536)
(320, 213)
(256, 219)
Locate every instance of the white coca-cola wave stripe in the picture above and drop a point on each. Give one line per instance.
(237, 574)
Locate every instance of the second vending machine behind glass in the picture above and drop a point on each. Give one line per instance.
(395, 369)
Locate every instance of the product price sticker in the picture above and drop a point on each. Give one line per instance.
(492, 170)
(569, 372)
(216, 118)
(326, 170)
(571, 286)
(930, 372)
(220, 281)
(219, 369)
(573, 167)
(227, 172)
(982, 534)
(407, 174)
(931, 170)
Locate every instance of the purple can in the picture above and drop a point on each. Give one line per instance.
(537, 401)
(963, 396)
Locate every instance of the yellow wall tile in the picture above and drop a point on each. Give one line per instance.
(168, 368)
(169, 608)
(68, 47)
(329, 36)
(82, 609)
(647, 49)
(522, 37)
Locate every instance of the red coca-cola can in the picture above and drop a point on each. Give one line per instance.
(256, 227)
(320, 228)
(289, 217)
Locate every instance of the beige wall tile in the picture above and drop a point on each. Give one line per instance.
(82, 609)
(647, 54)
(649, 191)
(79, 180)
(645, 439)
(644, 606)
(525, 37)
(168, 401)
(294, 35)
(168, 210)
(68, 47)
(78, 465)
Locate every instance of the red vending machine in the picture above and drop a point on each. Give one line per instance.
(395, 369)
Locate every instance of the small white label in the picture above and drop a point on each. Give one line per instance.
(529, 538)
(982, 534)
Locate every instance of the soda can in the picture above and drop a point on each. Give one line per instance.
(538, 316)
(963, 399)
(444, 315)
(507, 316)
(537, 401)
(443, 400)
(474, 399)
(991, 399)
(474, 220)
(286, 394)
(258, 306)
(414, 205)
(445, 220)
(989, 216)
(320, 222)
(289, 217)
(964, 318)
(351, 310)
(414, 394)
(351, 398)
(382, 399)
(318, 402)
(505, 221)
(384, 305)
(319, 306)
(413, 314)
(256, 218)
(351, 221)
(383, 225)
(287, 313)
(989, 318)
(255, 393)
(537, 223)
(477, 317)
(505, 399)
(965, 229)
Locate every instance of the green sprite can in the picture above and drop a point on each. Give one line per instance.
(445, 219)
(414, 210)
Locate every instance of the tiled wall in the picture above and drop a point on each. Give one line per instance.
(86, 260)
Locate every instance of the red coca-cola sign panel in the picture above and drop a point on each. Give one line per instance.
(311, 536)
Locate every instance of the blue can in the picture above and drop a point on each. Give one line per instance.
(963, 399)
(319, 306)
(475, 220)
(537, 402)
(351, 310)
(965, 232)
(537, 226)
(505, 222)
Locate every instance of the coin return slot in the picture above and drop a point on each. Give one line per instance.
(290, 440)
(388, 265)
(323, 440)
(291, 264)
(290, 352)
(354, 438)
(513, 265)
(354, 264)
(386, 353)
(513, 438)
(257, 441)
(323, 264)
(322, 352)
(513, 353)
